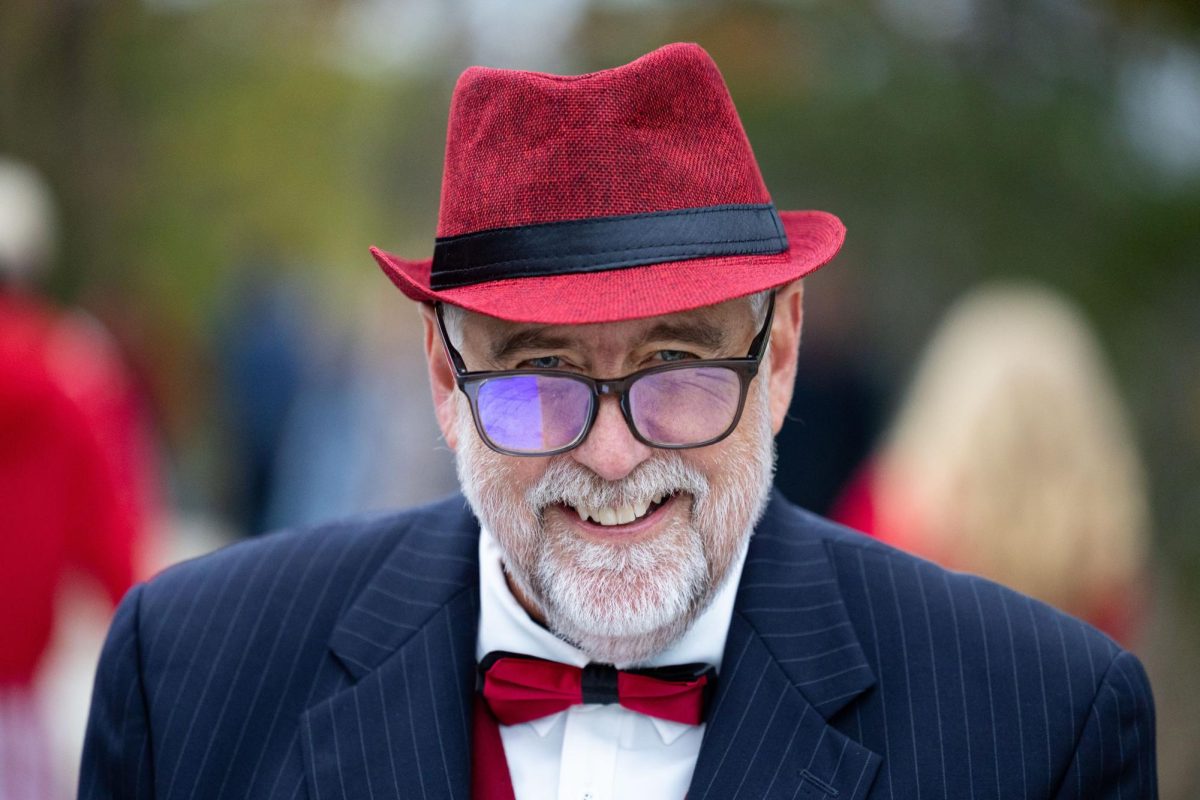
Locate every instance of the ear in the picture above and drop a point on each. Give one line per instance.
(441, 377)
(784, 350)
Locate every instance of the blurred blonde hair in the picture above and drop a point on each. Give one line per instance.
(1012, 455)
(28, 222)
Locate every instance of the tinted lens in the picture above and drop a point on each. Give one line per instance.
(685, 406)
(533, 413)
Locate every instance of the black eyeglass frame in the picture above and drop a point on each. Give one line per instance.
(746, 368)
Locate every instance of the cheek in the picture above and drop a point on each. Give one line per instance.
(522, 473)
(504, 476)
(711, 461)
(733, 455)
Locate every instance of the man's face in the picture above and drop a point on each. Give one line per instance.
(620, 590)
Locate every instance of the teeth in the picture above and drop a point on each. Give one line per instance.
(618, 515)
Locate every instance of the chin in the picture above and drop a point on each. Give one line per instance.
(622, 604)
(629, 651)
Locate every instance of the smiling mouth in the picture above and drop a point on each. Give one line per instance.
(616, 516)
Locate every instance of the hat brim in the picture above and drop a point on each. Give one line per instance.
(814, 238)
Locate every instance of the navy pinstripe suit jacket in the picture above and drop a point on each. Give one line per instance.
(338, 663)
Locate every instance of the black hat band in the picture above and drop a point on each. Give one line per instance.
(592, 245)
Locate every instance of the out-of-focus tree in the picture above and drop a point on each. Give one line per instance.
(187, 137)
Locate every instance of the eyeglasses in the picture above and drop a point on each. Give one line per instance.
(544, 412)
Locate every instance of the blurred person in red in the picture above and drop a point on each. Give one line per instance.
(73, 472)
(1011, 457)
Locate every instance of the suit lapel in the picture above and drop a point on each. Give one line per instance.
(401, 729)
(791, 662)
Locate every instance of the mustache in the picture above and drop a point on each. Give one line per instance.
(570, 483)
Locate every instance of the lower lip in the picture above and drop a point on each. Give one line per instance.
(640, 525)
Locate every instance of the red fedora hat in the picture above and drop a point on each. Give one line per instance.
(616, 195)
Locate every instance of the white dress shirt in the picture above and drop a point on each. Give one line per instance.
(595, 752)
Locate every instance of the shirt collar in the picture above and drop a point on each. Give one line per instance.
(505, 625)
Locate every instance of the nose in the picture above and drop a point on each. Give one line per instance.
(610, 450)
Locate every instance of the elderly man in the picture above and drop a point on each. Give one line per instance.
(620, 608)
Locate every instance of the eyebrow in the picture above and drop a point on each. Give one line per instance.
(529, 339)
(699, 333)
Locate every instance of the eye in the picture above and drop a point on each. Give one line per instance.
(544, 362)
(674, 355)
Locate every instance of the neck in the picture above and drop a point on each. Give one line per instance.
(531, 608)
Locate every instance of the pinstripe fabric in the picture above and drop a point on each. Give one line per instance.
(218, 676)
(982, 692)
(337, 663)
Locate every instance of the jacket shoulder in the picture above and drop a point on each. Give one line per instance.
(980, 668)
(262, 585)
(939, 608)
(227, 651)
(295, 550)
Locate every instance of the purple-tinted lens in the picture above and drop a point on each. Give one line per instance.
(533, 413)
(685, 406)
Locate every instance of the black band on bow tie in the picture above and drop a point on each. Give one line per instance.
(599, 683)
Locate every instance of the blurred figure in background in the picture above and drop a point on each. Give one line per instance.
(1011, 457)
(361, 433)
(834, 419)
(74, 478)
(260, 348)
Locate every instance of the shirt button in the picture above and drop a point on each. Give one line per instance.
(588, 796)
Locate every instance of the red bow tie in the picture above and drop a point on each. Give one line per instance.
(521, 688)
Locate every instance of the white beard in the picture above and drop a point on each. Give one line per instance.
(621, 603)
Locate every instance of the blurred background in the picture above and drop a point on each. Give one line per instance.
(188, 189)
